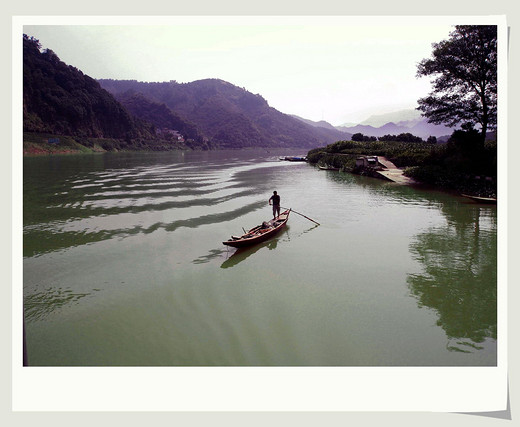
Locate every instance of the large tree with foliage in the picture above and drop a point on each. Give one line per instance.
(464, 70)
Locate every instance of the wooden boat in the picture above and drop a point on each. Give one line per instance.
(260, 233)
(487, 200)
(328, 168)
(294, 159)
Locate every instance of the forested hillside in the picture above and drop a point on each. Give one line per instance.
(60, 99)
(228, 115)
(164, 120)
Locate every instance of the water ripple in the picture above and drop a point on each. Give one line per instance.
(102, 204)
(41, 304)
(52, 237)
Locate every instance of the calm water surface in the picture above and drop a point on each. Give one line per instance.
(124, 265)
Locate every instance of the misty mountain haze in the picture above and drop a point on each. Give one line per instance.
(403, 121)
(394, 123)
(378, 120)
(422, 129)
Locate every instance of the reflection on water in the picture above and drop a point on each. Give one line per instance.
(459, 279)
(394, 275)
(241, 254)
(213, 254)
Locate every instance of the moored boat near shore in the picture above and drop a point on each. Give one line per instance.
(487, 200)
(328, 168)
(294, 159)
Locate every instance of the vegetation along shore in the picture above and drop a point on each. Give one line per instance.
(451, 166)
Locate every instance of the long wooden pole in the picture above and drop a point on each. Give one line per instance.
(310, 219)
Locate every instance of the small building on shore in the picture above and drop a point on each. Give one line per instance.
(367, 161)
(171, 133)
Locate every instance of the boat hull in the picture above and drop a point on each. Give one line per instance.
(486, 200)
(294, 159)
(258, 234)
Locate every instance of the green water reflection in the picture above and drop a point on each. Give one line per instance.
(459, 279)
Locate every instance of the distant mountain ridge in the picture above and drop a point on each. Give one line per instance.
(418, 127)
(395, 123)
(378, 120)
(320, 124)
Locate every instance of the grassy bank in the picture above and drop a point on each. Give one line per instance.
(45, 144)
(343, 154)
(37, 144)
(466, 168)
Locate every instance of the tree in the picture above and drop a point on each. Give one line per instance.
(463, 138)
(357, 137)
(465, 79)
(402, 137)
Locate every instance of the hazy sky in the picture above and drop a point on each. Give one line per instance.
(336, 69)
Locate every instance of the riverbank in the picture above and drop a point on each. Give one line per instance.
(37, 144)
(64, 146)
(392, 173)
(445, 166)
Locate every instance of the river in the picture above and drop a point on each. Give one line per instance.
(124, 266)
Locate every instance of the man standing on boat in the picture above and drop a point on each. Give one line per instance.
(275, 199)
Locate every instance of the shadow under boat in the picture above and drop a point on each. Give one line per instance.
(241, 254)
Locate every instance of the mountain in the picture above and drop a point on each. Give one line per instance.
(320, 124)
(394, 117)
(227, 115)
(404, 121)
(165, 120)
(60, 99)
(425, 129)
(420, 128)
